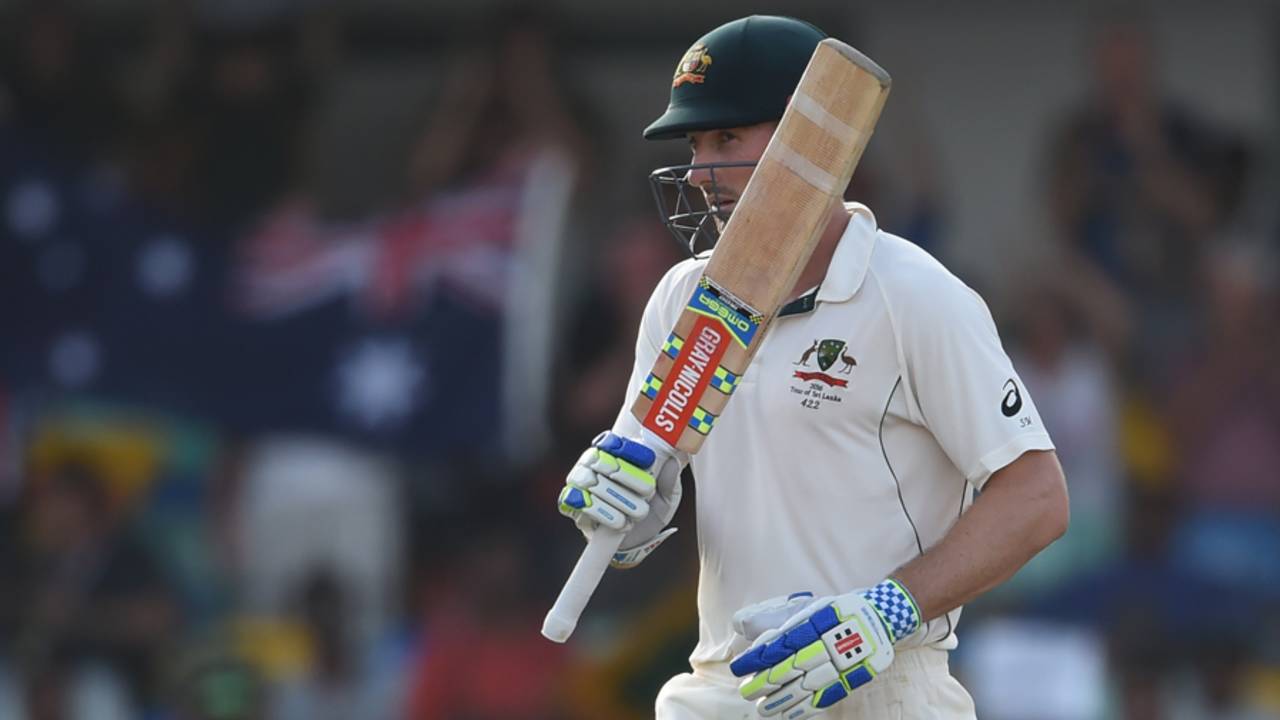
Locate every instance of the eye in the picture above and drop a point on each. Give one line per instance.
(726, 136)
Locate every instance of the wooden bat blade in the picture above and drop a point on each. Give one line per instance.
(765, 245)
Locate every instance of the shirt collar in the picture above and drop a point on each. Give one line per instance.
(852, 257)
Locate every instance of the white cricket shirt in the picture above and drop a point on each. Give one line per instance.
(856, 438)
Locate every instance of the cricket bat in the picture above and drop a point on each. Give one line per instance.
(758, 258)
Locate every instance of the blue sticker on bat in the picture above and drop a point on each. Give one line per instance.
(741, 321)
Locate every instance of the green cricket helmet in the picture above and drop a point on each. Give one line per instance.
(739, 74)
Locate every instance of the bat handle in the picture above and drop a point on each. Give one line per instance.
(582, 582)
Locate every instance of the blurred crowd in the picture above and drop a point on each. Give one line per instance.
(292, 364)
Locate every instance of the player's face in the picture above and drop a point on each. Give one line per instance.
(721, 164)
(731, 145)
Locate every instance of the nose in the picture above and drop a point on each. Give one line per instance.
(698, 177)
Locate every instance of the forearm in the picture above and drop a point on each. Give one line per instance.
(1022, 509)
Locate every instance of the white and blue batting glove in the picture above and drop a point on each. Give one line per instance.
(826, 651)
(623, 485)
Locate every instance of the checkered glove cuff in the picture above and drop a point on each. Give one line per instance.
(896, 607)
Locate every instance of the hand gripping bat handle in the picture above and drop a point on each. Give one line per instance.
(582, 582)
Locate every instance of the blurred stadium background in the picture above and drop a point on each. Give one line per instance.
(305, 308)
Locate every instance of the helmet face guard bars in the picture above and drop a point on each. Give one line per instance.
(692, 213)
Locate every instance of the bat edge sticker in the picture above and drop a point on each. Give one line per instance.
(740, 319)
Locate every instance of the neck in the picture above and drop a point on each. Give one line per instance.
(820, 260)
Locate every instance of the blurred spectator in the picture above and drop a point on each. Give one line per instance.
(254, 100)
(1160, 680)
(1225, 405)
(595, 372)
(483, 658)
(503, 102)
(210, 681)
(631, 654)
(1151, 608)
(1142, 667)
(56, 80)
(155, 471)
(1136, 586)
(82, 601)
(301, 503)
(341, 682)
(159, 147)
(160, 156)
(1022, 669)
(899, 180)
(1224, 412)
(1223, 692)
(1137, 184)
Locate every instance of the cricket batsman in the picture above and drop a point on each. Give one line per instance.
(838, 529)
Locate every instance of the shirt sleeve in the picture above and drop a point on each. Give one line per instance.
(963, 385)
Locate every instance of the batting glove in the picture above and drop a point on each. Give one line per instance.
(753, 621)
(623, 485)
(826, 651)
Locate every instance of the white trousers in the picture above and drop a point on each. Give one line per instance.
(917, 686)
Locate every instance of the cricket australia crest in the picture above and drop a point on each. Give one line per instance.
(828, 354)
(829, 351)
(692, 67)
(818, 386)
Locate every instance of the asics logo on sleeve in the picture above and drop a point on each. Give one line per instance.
(1012, 402)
